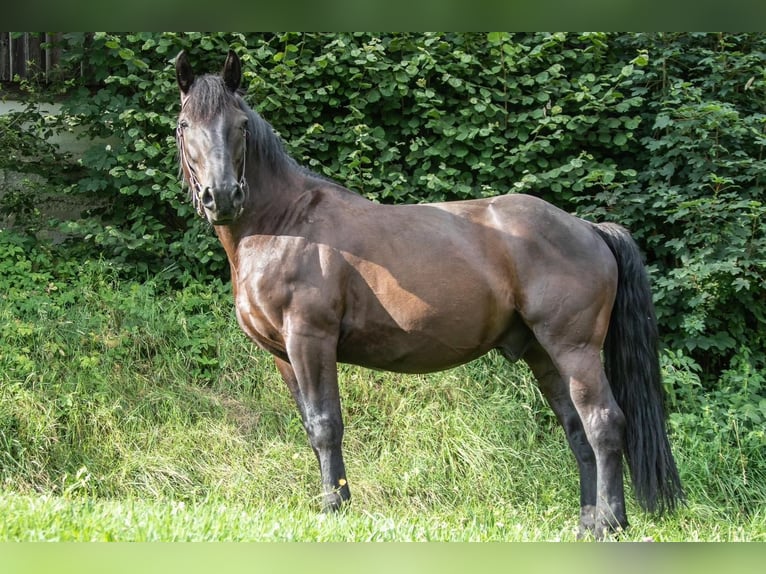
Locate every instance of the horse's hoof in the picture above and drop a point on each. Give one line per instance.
(334, 498)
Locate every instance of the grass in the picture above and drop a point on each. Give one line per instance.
(133, 414)
(61, 519)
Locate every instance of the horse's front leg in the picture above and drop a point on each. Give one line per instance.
(312, 377)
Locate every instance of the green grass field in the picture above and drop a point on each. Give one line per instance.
(131, 414)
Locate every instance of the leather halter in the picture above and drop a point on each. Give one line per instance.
(191, 176)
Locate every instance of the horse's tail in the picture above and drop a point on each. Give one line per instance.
(633, 369)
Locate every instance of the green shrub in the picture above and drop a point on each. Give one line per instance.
(663, 133)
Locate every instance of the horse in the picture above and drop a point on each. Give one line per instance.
(322, 275)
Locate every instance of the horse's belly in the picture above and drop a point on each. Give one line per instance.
(417, 337)
(406, 353)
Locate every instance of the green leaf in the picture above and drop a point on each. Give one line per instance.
(661, 121)
(497, 37)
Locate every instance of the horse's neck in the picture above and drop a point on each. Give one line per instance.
(268, 199)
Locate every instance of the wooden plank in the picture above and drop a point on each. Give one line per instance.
(18, 61)
(34, 55)
(5, 73)
(52, 54)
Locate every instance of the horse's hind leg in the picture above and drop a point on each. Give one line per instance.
(603, 423)
(557, 394)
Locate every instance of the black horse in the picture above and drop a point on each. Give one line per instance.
(322, 275)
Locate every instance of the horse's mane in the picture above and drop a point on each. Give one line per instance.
(208, 96)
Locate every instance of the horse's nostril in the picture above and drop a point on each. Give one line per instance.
(207, 198)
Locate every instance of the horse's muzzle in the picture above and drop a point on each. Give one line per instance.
(222, 205)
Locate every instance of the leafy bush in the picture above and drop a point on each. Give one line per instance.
(663, 133)
(706, 168)
(30, 166)
(698, 205)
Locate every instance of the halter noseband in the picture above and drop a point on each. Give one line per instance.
(191, 177)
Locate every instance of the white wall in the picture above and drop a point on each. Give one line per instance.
(67, 142)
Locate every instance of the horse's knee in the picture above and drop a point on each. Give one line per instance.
(325, 431)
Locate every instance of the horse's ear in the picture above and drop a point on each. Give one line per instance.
(184, 72)
(232, 71)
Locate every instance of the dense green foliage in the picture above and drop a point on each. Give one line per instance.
(663, 133)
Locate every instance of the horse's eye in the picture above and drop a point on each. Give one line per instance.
(183, 124)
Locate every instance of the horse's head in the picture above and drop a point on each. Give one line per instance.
(212, 139)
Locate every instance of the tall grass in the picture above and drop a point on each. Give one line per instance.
(129, 412)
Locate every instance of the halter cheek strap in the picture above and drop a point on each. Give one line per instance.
(191, 177)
